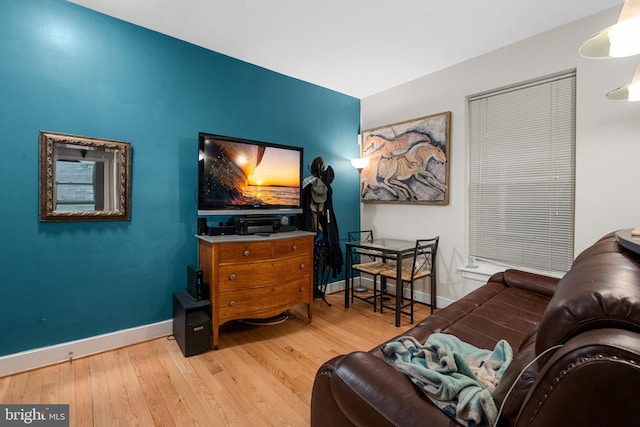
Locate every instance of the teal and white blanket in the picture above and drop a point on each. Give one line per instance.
(458, 377)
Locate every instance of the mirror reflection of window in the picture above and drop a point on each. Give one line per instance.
(85, 178)
(75, 186)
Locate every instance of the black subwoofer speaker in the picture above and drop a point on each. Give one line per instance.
(191, 323)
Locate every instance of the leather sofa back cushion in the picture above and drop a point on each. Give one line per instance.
(541, 285)
(600, 293)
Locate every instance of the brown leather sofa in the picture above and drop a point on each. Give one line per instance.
(592, 380)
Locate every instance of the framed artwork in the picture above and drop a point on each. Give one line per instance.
(84, 179)
(408, 161)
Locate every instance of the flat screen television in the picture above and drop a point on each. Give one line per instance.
(243, 177)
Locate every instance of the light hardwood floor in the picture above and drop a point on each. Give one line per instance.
(260, 376)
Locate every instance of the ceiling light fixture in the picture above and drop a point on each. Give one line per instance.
(619, 40)
(628, 92)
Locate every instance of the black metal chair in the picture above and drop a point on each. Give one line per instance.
(374, 266)
(423, 265)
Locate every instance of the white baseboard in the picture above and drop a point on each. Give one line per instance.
(44, 356)
(335, 287)
(39, 357)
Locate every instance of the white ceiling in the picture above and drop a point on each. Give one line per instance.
(356, 47)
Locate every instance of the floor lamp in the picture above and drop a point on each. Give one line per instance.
(360, 164)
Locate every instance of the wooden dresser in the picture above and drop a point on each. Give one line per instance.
(256, 277)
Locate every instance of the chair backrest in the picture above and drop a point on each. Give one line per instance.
(424, 256)
(358, 236)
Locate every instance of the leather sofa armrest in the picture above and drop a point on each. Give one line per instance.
(369, 392)
(591, 380)
(535, 283)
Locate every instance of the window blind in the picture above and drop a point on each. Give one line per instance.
(522, 174)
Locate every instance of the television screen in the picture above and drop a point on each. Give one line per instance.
(240, 176)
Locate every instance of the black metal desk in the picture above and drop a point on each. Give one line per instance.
(387, 249)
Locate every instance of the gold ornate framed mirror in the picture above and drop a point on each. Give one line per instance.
(84, 179)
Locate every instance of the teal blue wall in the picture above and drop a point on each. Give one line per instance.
(67, 69)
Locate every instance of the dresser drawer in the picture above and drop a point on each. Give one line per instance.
(235, 276)
(265, 299)
(245, 252)
(285, 248)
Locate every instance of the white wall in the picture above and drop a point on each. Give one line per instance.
(607, 141)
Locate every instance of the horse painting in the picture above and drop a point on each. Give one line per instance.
(408, 167)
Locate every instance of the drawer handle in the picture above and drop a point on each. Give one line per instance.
(232, 303)
(294, 248)
(232, 276)
(301, 288)
(246, 252)
(301, 266)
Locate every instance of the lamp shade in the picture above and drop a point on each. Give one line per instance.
(360, 163)
(619, 40)
(628, 92)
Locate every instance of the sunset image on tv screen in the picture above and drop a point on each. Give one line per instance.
(276, 180)
(249, 174)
